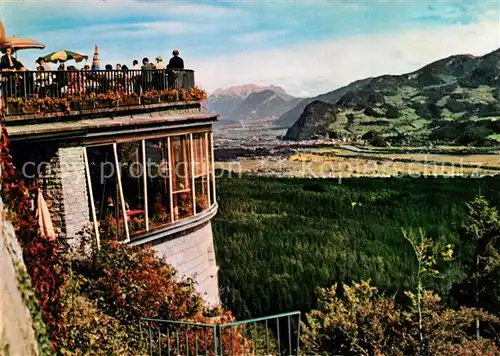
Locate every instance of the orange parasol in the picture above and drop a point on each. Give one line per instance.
(15, 42)
(21, 43)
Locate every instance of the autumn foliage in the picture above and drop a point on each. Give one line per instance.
(41, 256)
(128, 284)
(361, 321)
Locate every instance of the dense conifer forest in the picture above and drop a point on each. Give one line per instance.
(278, 240)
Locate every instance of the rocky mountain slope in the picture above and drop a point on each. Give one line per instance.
(290, 117)
(249, 101)
(455, 99)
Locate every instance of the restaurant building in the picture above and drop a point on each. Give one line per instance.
(120, 156)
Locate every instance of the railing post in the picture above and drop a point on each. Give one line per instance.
(298, 335)
(215, 327)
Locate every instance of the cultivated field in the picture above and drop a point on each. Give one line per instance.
(340, 163)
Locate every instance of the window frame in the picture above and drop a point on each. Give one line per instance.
(203, 146)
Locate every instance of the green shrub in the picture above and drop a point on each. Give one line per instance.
(362, 321)
(278, 239)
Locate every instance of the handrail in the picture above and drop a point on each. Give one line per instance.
(73, 85)
(275, 334)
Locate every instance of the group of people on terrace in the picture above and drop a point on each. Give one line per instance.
(69, 80)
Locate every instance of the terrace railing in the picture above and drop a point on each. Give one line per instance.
(272, 335)
(26, 85)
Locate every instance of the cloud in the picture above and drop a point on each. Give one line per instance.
(308, 47)
(129, 31)
(322, 66)
(259, 36)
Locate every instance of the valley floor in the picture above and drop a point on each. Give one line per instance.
(350, 162)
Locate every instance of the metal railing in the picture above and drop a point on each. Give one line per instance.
(271, 335)
(65, 84)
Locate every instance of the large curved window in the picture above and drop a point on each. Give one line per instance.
(201, 169)
(148, 184)
(158, 183)
(108, 208)
(182, 194)
(130, 161)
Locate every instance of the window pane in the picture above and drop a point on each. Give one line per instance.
(181, 177)
(201, 172)
(213, 198)
(105, 191)
(200, 156)
(201, 194)
(130, 158)
(158, 183)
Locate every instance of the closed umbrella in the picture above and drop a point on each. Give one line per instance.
(63, 56)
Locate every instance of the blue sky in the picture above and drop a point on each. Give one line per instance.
(307, 47)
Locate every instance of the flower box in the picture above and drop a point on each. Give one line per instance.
(169, 98)
(13, 110)
(49, 109)
(150, 100)
(104, 104)
(74, 106)
(86, 106)
(31, 109)
(131, 101)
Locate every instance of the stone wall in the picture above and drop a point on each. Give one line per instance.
(76, 216)
(60, 174)
(17, 336)
(191, 253)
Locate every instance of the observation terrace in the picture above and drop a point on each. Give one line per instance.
(124, 156)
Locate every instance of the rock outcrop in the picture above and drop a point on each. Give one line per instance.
(17, 335)
(461, 91)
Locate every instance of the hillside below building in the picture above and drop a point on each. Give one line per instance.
(454, 100)
(17, 336)
(138, 170)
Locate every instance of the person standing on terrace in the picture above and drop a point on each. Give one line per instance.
(9, 63)
(147, 74)
(41, 62)
(159, 63)
(175, 62)
(95, 65)
(95, 59)
(135, 76)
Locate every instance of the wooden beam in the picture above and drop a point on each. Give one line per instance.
(145, 181)
(91, 194)
(170, 159)
(213, 164)
(193, 187)
(120, 189)
(207, 171)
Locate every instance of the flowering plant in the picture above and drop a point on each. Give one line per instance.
(112, 97)
(150, 97)
(81, 101)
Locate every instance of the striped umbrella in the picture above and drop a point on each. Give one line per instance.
(15, 42)
(21, 43)
(63, 56)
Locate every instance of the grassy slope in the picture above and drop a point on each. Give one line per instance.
(277, 239)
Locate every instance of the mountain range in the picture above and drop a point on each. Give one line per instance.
(455, 99)
(250, 101)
